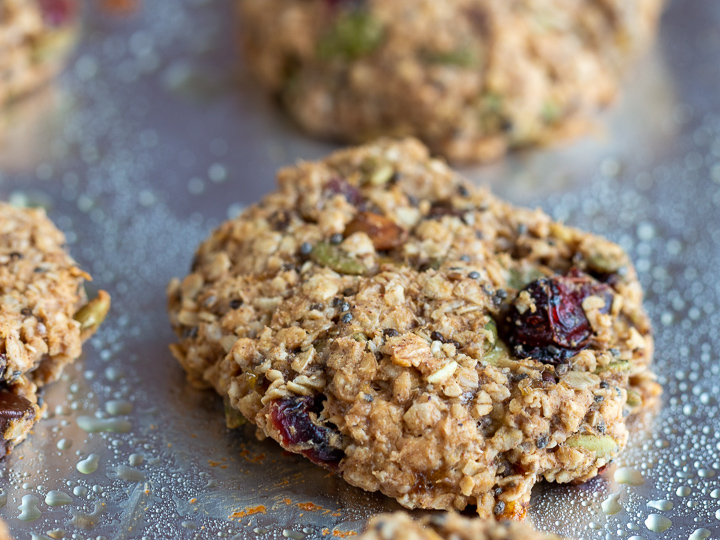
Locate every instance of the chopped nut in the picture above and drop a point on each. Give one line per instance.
(384, 232)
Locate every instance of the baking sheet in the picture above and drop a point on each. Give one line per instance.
(155, 134)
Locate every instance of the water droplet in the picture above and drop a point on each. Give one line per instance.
(658, 523)
(113, 374)
(683, 491)
(717, 514)
(189, 525)
(630, 476)
(706, 473)
(700, 534)
(293, 535)
(118, 407)
(135, 460)
(80, 491)
(89, 464)
(715, 494)
(260, 530)
(57, 498)
(636, 538)
(28, 508)
(662, 505)
(108, 425)
(611, 506)
(595, 526)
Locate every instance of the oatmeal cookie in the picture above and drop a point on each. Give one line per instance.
(385, 318)
(35, 36)
(44, 315)
(471, 78)
(400, 526)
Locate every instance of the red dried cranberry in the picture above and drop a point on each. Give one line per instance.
(57, 12)
(558, 328)
(340, 186)
(296, 420)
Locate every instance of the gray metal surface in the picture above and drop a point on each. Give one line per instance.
(155, 134)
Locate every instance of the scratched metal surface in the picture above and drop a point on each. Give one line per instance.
(155, 134)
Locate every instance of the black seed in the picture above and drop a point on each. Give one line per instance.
(520, 376)
(347, 317)
(499, 508)
(599, 399)
(522, 229)
(542, 442)
(615, 352)
(390, 332)
(395, 178)
(368, 398)
(601, 427)
(462, 190)
(336, 238)
(474, 275)
(234, 304)
(39, 270)
(479, 235)
(502, 293)
(316, 307)
(344, 307)
(190, 332)
(306, 248)
(604, 384)
(14, 256)
(464, 258)
(437, 336)
(26, 312)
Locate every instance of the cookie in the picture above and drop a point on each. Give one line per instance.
(44, 315)
(400, 526)
(35, 37)
(388, 320)
(471, 78)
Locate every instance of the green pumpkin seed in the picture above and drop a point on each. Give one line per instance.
(331, 256)
(601, 445)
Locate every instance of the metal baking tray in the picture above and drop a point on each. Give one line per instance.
(155, 133)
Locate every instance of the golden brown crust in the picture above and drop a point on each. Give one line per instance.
(41, 288)
(32, 46)
(379, 346)
(471, 78)
(400, 526)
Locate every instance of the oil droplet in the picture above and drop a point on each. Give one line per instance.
(637, 538)
(630, 476)
(36, 536)
(594, 526)
(57, 498)
(189, 525)
(64, 444)
(89, 464)
(3, 498)
(87, 521)
(57, 534)
(135, 460)
(108, 425)
(28, 508)
(611, 506)
(80, 491)
(293, 535)
(715, 494)
(260, 530)
(657, 523)
(123, 472)
(706, 473)
(717, 514)
(683, 491)
(700, 534)
(118, 407)
(662, 505)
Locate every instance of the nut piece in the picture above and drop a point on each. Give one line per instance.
(92, 314)
(384, 232)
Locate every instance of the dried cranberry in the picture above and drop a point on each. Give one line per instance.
(296, 420)
(558, 327)
(340, 186)
(57, 12)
